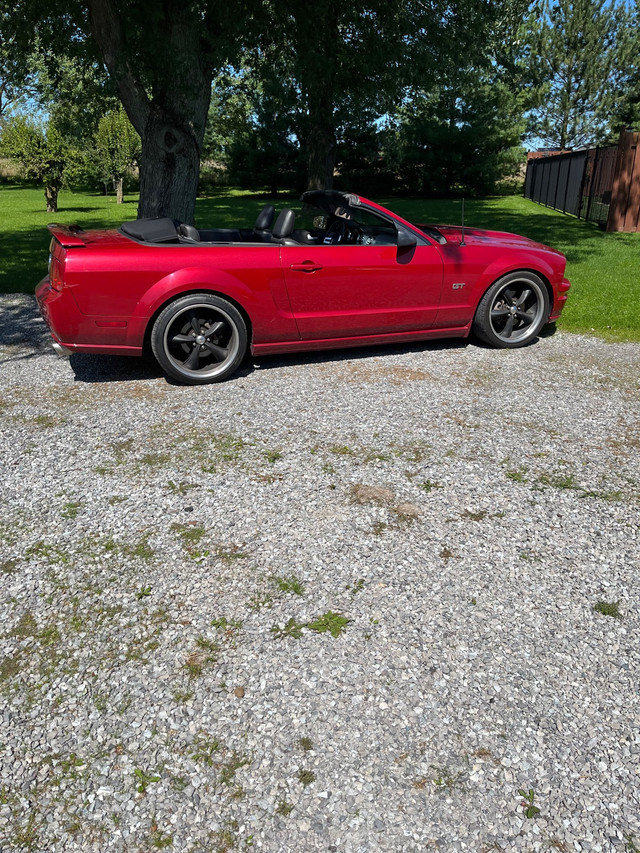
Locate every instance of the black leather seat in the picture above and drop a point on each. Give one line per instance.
(283, 228)
(262, 228)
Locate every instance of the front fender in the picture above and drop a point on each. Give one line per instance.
(506, 264)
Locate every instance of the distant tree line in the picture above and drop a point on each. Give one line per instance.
(425, 97)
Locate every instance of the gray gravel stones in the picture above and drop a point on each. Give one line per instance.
(174, 669)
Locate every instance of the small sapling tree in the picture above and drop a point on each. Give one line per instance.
(118, 149)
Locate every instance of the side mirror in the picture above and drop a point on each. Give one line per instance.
(406, 239)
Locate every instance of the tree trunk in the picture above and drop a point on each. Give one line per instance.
(170, 112)
(51, 197)
(322, 155)
(319, 46)
(120, 190)
(170, 164)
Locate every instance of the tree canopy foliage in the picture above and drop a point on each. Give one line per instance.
(576, 55)
(429, 96)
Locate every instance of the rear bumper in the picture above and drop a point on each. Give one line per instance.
(73, 331)
(60, 350)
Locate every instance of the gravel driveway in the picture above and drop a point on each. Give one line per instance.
(343, 602)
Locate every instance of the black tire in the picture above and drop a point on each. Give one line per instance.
(199, 338)
(512, 311)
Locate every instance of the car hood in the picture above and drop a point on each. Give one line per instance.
(478, 236)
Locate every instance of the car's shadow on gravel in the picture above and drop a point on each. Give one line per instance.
(274, 362)
(110, 368)
(23, 332)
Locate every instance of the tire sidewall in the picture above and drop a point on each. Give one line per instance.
(166, 317)
(482, 326)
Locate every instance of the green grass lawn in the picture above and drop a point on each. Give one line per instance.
(604, 269)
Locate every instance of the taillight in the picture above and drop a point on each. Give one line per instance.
(56, 266)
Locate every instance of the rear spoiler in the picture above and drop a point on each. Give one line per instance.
(67, 235)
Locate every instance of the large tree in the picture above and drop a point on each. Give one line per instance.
(575, 52)
(42, 152)
(161, 58)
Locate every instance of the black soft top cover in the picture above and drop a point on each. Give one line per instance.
(159, 229)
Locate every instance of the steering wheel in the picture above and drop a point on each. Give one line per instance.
(336, 232)
(344, 231)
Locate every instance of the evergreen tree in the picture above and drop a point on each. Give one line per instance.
(626, 109)
(575, 52)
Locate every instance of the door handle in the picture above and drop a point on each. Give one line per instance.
(306, 266)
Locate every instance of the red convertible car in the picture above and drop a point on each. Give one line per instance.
(343, 272)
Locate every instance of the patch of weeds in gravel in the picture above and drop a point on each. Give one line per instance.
(412, 451)
(228, 838)
(153, 460)
(47, 421)
(266, 595)
(341, 450)
(38, 652)
(149, 626)
(305, 743)
(160, 840)
(630, 844)
(559, 480)
(333, 623)
(44, 552)
(307, 777)
(356, 586)
(230, 767)
(518, 475)
(140, 550)
(444, 779)
(430, 485)
(190, 533)
(292, 628)
(180, 488)
(144, 779)
(284, 808)
(608, 608)
(375, 494)
(230, 627)
(205, 654)
(446, 553)
(205, 749)
(289, 584)
(70, 509)
(228, 554)
(8, 567)
(272, 456)
(529, 809)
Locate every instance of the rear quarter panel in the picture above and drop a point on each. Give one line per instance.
(126, 280)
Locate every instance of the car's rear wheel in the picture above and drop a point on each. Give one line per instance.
(199, 338)
(512, 311)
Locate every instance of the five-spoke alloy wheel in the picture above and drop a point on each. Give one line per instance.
(512, 311)
(199, 338)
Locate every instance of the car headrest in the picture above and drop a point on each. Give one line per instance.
(189, 231)
(265, 218)
(284, 223)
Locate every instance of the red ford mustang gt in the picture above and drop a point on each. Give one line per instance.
(343, 272)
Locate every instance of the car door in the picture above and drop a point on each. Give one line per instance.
(339, 291)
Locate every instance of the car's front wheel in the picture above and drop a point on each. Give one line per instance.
(512, 311)
(199, 338)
